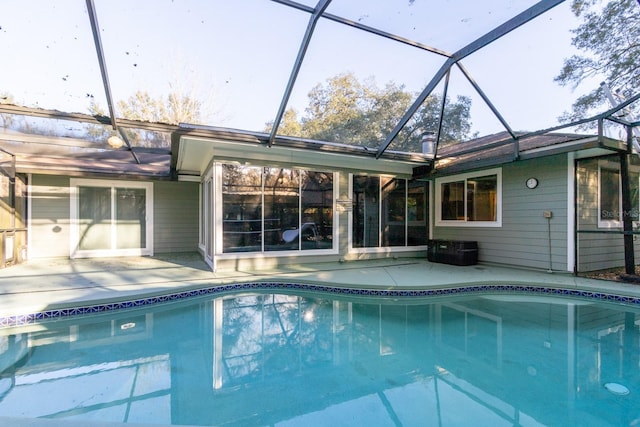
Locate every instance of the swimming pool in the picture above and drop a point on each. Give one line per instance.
(286, 357)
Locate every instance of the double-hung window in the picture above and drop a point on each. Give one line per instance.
(472, 199)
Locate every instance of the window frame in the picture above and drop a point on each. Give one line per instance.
(406, 222)
(614, 223)
(218, 212)
(74, 229)
(466, 177)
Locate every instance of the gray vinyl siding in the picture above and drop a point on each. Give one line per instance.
(595, 251)
(175, 219)
(176, 216)
(523, 239)
(49, 232)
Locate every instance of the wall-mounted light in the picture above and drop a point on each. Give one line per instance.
(115, 141)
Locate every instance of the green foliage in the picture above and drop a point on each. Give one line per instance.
(290, 124)
(349, 111)
(609, 36)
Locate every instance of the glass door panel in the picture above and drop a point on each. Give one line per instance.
(94, 218)
(241, 208)
(130, 220)
(366, 211)
(393, 196)
(316, 202)
(281, 209)
(417, 214)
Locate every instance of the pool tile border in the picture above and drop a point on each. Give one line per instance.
(64, 313)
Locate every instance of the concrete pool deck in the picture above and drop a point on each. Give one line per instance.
(61, 283)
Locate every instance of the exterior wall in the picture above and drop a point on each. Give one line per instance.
(176, 216)
(596, 250)
(342, 217)
(523, 239)
(49, 231)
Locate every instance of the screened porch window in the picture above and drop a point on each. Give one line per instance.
(110, 219)
(388, 212)
(610, 212)
(470, 199)
(268, 209)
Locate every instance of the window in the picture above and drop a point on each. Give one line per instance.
(111, 219)
(610, 212)
(206, 218)
(470, 199)
(268, 209)
(388, 212)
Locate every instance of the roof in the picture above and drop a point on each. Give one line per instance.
(86, 71)
(501, 148)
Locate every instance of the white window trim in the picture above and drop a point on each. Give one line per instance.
(218, 223)
(439, 222)
(384, 249)
(611, 223)
(206, 223)
(608, 223)
(74, 229)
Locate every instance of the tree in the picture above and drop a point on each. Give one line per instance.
(173, 109)
(609, 36)
(349, 111)
(290, 124)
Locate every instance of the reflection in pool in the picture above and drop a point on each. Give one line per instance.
(275, 359)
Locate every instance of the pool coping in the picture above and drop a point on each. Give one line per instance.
(46, 290)
(396, 293)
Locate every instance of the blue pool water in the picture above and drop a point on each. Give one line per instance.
(319, 360)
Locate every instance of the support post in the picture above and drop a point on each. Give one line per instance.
(627, 217)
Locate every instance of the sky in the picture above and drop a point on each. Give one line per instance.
(236, 57)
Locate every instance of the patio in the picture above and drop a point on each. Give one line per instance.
(50, 284)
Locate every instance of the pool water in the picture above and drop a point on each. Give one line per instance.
(312, 360)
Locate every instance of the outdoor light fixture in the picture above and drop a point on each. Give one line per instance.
(115, 141)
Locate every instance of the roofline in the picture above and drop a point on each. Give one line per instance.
(86, 118)
(262, 138)
(576, 145)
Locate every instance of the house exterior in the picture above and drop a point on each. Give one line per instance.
(559, 206)
(538, 212)
(71, 217)
(263, 206)
(550, 202)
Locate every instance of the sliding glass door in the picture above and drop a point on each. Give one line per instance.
(388, 212)
(111, 218)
